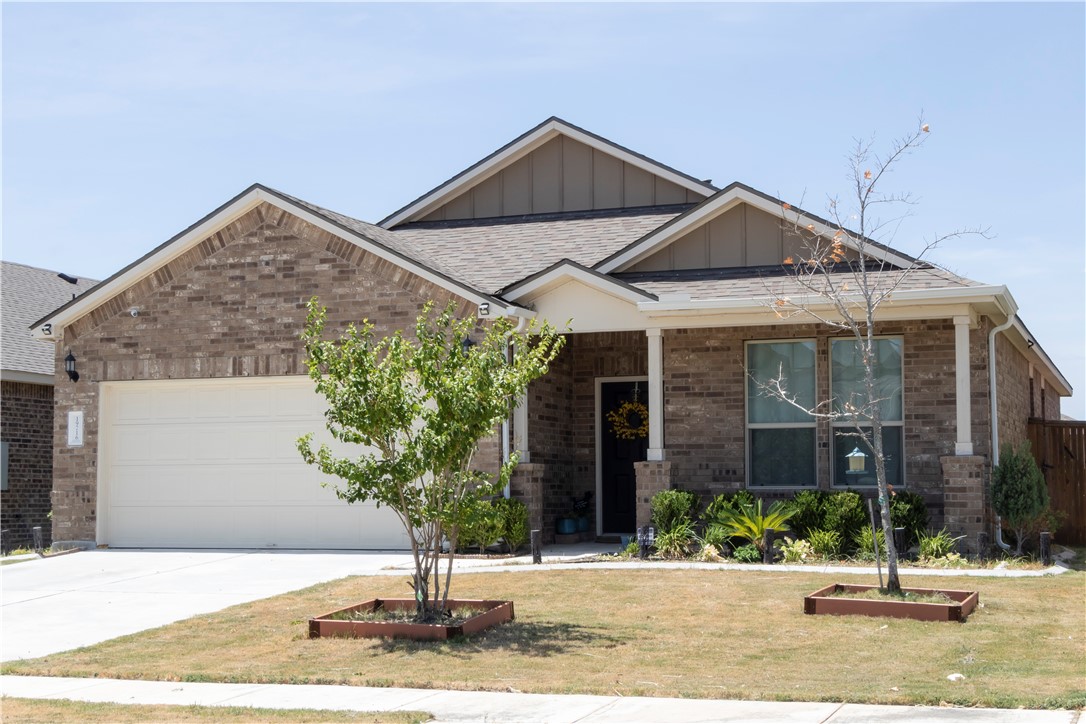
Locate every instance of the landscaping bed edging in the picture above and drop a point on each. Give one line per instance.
(823, 601)
(493, 613)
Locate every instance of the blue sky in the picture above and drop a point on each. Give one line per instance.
(125, 123)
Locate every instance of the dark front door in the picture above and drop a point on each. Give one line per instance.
(618, 455)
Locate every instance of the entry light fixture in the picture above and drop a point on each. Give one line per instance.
(69, 367)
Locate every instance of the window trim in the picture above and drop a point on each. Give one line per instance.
(835, 425)
(748, 425)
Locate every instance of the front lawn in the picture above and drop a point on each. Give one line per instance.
(48, 711)
(691, 633)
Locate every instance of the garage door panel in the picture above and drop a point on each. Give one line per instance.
(214, 463)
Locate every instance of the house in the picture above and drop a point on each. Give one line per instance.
(192, 387)
(26, 399)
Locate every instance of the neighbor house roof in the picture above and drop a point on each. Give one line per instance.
(28, 293)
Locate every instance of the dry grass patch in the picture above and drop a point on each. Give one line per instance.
(723, 634)
(49, 711)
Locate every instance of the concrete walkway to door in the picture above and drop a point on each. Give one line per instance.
(64, 602)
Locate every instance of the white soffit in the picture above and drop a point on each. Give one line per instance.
(522, 147)
(709, 210)
(248, 200)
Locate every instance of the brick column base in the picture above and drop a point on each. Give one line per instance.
(964, 509)
(652, 477)
(526, 485)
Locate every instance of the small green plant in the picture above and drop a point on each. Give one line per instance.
(844, 513)
(726, 502)
(631, 550)
(675, 543)
(938, 545)
(825, 543)
(865, 548)
(751, 523)
(909, 511)
(795, 551)
(671, 509)
(714, 535)
(747, 554)
(514, 522)
(1019, 493)
(810, 511)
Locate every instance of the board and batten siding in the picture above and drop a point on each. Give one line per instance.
(741, 236)
(563, 175)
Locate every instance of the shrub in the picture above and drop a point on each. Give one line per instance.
(865, 548)
(810, 511)
(671, 509)
(727, 502)
(909, 511)
(514, 521)
(481, 527)
(632, 549)
(795, 551)
(714, 535)
(1019, 493)
(747, 554)
(675, 543)
(845, 514)
(751, 523)
(825, 543)
(937, 545)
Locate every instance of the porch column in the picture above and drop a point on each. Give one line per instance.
(520, 429)
(656, 394)
(964, 443)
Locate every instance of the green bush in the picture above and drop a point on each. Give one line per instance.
(845, 513)
(514, 522)
(751, 523)
(865, 548)
(810, 511)
(937, 545)
(825, 543)
(795, 551)
(909, 511)
(1019, 493)
(725, 503)
(714, 535)
(672, 508)
(481, 526)
(747, 554)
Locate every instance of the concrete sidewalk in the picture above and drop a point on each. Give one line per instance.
(469, 706)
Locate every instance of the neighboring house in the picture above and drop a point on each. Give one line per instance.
(192, 387)
(26, 399)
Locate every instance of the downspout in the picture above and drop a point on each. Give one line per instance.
(995, 414)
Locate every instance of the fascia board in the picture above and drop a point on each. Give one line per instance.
(715, 207)
(226, 215)
(1041, 356)
(973, 295)
(522, 147)
(33, 378)
(570, 272)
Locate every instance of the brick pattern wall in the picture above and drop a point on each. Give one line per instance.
(232, 306)
(26, 425)
(527, 485)
(965, 498)
(653, 476)
(1012, 387)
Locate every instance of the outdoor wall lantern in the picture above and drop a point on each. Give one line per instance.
(857, 462)
(69, 367)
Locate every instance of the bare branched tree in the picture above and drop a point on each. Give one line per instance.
(842, 275)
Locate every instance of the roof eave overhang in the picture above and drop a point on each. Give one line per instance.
(712, 207)
(32, 378)
(1036, 354)
(48, 327)
(522, 146)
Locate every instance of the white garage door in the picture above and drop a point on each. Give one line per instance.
(213, 464)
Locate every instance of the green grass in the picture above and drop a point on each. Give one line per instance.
(48, 711)
(688, 633)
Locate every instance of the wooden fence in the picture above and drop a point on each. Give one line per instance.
(1060, 450)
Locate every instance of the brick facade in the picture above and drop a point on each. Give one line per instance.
(26, 411)
(232, 306)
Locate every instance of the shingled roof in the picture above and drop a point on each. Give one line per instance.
(27, 293)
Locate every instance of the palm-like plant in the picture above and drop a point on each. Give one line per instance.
(751, 523)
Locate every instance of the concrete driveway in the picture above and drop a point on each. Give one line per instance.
(82, 598)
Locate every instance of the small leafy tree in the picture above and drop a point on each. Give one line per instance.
(1019, 493)
(418, 409)
(841, 278)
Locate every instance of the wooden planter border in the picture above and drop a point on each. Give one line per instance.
(494, 613)
(823, 602)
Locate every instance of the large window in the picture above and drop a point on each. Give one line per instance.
(849, 394)
(781, 436)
